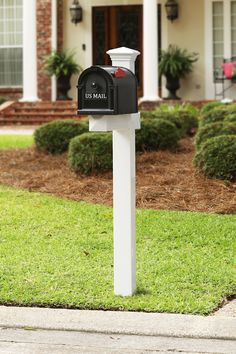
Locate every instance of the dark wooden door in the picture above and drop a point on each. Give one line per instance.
(117, 26)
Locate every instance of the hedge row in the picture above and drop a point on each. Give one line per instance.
(212, 130)
(92, 152)
(54, 137)
(217, 157)
(216, 143)
(186, 122)
(218, 113)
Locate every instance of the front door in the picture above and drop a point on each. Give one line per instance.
(117, 26)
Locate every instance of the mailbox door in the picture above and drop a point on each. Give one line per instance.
(96, 94)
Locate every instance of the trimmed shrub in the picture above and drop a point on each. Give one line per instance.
(186, 122)
(231, 118)
(231, 108)
(147, 114)
(167, 116)
(217, 114)
(211, 105)
(156, 134)
(212, 130)
(3, 99)
(54, 137)
(172, 118)
(90, 153)
(176, 108)
(217, 157)
(189, 122)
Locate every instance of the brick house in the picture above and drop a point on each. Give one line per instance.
(31, 28)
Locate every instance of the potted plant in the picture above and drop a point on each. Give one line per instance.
(63, 66)
(175, 63)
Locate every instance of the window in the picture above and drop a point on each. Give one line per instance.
(11, 43)
(224, 31)
(233, 28)
(220, 43)
(218, 33)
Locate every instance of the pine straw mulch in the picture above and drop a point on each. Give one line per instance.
(165, 180)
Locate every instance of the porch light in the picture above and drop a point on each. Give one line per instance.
(172, 8)
(76, 12)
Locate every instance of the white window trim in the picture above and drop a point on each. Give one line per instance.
(11, 46)
(209, 79)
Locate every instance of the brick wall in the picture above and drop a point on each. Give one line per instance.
(44, 32)
(60, 24)
(43, 46)
(11, 94)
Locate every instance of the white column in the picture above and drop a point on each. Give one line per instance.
(29, 51)
(124, 192)
(54, 45)
(150, 51)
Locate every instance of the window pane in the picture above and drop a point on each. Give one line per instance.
(11, 38)
(217, 7)
(9, 3)
(218, 33)
(234, 49)
(18, 12)
(218, 49)
(9, 12)
(233, 28)
(18, 26)
(217, 63)
(233, 36)
(10, 66)
(233, 7)
(218, 21)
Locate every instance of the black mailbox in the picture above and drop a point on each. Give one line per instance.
(107, 90)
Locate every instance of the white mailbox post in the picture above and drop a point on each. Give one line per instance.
(123, 129)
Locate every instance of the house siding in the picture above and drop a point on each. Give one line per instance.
(187, 31)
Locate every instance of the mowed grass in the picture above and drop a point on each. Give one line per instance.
(15, 141)
(57, 252)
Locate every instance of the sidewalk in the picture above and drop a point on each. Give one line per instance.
(17, 130)
(36, 331)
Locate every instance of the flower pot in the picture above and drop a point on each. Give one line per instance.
(63, 86)
(172, 85)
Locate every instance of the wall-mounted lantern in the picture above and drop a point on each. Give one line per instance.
(172, 8)
(76, 12)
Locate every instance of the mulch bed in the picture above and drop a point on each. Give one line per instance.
(165, 180)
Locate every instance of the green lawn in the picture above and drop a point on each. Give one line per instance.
(15, 141)
(57, 252)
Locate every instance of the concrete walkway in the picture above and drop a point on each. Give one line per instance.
(17, 130)
(59, 331)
